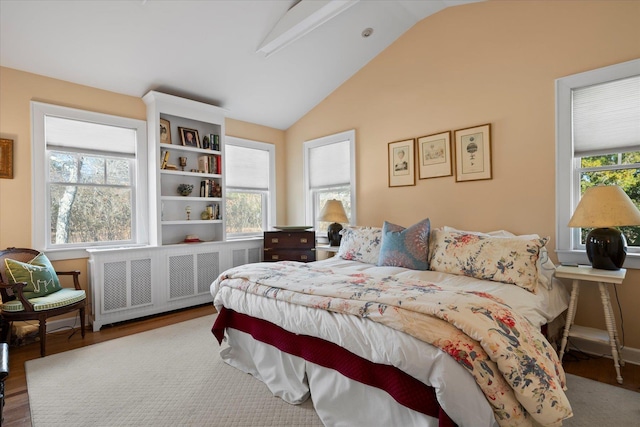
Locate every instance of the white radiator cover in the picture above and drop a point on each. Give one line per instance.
(129, 283)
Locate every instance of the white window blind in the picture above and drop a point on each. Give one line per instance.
(72, 134)
(606, 117)
(250, 168)
(329, 165)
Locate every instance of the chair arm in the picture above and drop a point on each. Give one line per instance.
(17, 292)
(75, 274)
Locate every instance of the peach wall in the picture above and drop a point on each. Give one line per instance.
(491, 62)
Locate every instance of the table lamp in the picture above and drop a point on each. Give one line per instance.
(333, 211)
(602, 208)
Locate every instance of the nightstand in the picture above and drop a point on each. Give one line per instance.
(289, 246)
(603, 278)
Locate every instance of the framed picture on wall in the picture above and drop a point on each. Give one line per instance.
(434, 155)
(189, 137)
(402, 163)
(6, 158)
(165, 131)
(473, 153)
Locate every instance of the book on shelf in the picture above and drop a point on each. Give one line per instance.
(210, 188)
(165, 159)
(203, 164)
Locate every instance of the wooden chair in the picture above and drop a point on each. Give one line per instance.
(16, 307)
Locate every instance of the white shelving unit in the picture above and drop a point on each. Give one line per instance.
(168, 218)
(169, 274)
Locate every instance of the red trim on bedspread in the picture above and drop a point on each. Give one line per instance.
(405, 389)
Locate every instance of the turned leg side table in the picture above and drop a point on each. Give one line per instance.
(588, 275)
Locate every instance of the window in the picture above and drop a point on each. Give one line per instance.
(597, 142)
(250, 187)
(89, 180)
(330, 173)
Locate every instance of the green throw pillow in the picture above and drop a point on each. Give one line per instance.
(39, 274)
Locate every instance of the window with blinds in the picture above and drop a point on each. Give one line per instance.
(88, 173)
(329, 174)
(250, 187)
(598, 143)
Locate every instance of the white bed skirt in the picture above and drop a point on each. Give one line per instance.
(338, 400)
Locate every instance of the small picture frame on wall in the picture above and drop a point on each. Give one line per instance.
(189, 137)
(6, 158)
(473, 153)
(434, 155)
(402, 163)
(165, 131)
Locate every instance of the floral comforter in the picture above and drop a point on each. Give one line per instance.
(511, 361)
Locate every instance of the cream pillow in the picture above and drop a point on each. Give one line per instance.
(502, 259)
(360, 244)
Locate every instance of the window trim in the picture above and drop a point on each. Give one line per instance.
(567, 196)
(39, 183)
(349, 135)
(272, 218)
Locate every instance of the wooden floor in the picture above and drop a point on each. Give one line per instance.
(16, 410)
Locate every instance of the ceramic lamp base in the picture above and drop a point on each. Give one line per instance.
(606, 248)
(334, 234)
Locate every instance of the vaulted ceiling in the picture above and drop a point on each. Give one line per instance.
(208, 50)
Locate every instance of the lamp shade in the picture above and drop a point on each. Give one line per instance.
(602, 208)
(605, 206)
(333, 211)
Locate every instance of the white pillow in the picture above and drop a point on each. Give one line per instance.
(360, 244)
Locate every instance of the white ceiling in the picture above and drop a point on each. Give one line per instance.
(204, 50)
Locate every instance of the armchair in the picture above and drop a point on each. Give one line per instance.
(25, 296)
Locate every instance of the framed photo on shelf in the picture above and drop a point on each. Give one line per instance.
(165, 131)
(473, 153)
(189, 137)
(434, 155)
(402, 163)
(6, 158)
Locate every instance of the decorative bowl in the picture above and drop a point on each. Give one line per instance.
(185, 189)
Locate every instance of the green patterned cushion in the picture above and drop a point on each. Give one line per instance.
(65, 296)
(39, 274)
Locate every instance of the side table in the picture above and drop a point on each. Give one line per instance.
(603, 278)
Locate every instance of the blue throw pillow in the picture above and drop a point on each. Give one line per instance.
(405, 247)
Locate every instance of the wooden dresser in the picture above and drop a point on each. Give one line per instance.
(289, 246)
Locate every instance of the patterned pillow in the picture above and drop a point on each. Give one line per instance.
(405, 247)
(501, 259)
(39, 274)
(360, 244)
(546, 267)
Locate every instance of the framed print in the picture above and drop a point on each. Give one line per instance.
(473, 153)
(6, 158)
(401, 163)
(165, 131)
(434, 155)
(190, 137)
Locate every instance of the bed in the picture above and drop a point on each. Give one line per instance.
(405, 326)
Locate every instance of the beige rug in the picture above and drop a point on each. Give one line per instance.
(173, 376)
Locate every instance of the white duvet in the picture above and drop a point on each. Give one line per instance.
(455, 388)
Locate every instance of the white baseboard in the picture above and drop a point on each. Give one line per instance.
(629, 354)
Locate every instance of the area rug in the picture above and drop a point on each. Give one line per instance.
(173, 376)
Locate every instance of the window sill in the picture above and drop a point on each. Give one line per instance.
(632, 260)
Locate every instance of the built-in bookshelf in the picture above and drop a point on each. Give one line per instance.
(186, 149)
